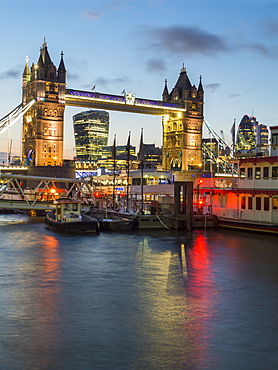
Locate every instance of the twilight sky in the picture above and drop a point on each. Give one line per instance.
(135, 45)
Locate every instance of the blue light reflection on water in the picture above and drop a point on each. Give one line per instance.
(120, 301)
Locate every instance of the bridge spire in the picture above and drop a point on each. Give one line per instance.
(26, 76)
(165, 94)
(61, 69)
(200, 87)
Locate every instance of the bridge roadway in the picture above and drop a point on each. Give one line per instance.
(21, 204)
(14, 196)
(125, 103)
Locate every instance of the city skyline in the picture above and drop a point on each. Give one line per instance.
(124, 45)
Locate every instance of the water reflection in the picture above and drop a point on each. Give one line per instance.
(201, 298)
(121, 301)
(32, 321)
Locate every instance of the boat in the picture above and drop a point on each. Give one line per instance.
(67, 217)
(110, 220)
(248, 200)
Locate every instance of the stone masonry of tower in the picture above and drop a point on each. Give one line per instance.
(182, 131)
(43, 123)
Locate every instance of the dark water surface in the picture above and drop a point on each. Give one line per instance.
(123, 301)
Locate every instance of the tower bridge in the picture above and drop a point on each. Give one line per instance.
(127, 103)
(45, 96)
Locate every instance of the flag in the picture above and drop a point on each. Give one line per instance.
(114, 148)
(233, 132)
(141, 148)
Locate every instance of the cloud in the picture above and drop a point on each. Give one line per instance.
(212, 87)
(91, 15)
(115, 4)
(190, 40)
(103, 82)
(272, 28)
(155, 65)
(13, 73)
(233, 95)
(261, 49)
(72, 76)
(195, 41)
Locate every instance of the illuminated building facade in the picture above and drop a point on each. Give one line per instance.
(121, 158)
(43, 123)
(182, 131)
(152, 156)
(252, 137)
(107, 151)
(91, 129)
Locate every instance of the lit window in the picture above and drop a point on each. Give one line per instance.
(257, 172)
(274, 171)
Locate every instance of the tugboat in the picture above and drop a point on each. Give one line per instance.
(68, 218)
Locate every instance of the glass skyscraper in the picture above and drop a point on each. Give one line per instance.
(252, 137)
(91, 130)
(246, 134)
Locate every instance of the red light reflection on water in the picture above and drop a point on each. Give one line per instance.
(200, 267)
(201, 298)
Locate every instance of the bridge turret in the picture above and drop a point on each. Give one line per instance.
(182, 132)
(43, 124)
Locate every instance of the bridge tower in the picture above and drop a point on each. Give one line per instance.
(182, 131)
(43, 124)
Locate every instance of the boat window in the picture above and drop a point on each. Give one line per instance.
(257, 172)
(258, 203)
(250, 203)
(266, 172)
(274, 203)
(274, 171)
(249, 172)
(242, 172)
(274, 139)
(243, 202)
(266, 204)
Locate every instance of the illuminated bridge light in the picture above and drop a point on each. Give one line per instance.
(117, 102)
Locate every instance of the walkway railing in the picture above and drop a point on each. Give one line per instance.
(41, 196)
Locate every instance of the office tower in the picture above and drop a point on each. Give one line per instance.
(246, 135)
(252, 136)
(91, 130)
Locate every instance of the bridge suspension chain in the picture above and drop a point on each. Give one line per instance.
(227, 167)
(218, 138)
(7, 121)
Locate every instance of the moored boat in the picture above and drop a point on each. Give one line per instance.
(110, 220)
(68, 218)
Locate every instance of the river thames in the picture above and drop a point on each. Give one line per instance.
(123, 301)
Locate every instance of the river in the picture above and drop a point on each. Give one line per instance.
(125, 301)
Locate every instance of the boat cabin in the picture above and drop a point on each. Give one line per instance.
(68, 210)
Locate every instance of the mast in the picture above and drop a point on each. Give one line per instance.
(114, 169)
(128, 160)
(141, 159)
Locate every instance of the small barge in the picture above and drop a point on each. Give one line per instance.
(67, 217)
